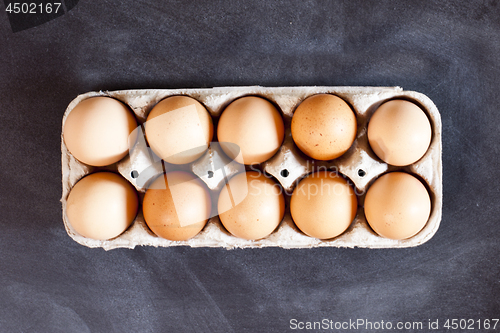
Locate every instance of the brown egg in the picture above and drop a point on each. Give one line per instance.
(324, 126)
(96, 131)
(177, 206)
(255, 125)
(251, 205)
(179, 129)
(101, 205)
(323, 205)
(397, 205)
(399, 132)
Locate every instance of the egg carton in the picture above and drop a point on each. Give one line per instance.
(288, 166)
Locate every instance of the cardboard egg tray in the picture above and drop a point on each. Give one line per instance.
(288, 166)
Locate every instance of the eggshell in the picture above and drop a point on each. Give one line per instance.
(102, 205)
(399, 132)
(255, 125)
(397, 205)
(97, 130)
(324, 126)
(177, 206)
(323, 205)
(251, 205)
(179, 129)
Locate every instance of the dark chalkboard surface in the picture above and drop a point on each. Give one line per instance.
(447, 50)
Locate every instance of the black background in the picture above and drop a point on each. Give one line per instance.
(448, 50)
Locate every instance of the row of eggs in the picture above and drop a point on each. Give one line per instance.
(99, 132)
(177, 205)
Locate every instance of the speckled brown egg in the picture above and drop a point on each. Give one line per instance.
(251, 205)
(324, 126)
(177, 206)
